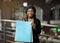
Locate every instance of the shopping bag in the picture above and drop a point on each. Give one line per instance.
(23, 31)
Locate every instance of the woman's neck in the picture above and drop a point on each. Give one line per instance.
(30, 18)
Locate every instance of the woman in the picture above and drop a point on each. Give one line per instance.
(36, 26)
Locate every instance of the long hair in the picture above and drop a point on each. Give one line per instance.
(25, 17)
(34, 10)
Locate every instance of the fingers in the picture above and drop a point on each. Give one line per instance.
(33, 25)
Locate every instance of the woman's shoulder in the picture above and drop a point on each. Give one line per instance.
(37, 20)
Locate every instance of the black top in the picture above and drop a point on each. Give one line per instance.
(38, 27)
(36, 31)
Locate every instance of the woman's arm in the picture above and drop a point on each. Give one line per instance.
(38, 27)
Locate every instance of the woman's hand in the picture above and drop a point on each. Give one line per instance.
(24, 17)
(34, 25)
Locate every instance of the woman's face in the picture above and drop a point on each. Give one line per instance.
(30, 12)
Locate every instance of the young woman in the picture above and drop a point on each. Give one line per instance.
(36, 26)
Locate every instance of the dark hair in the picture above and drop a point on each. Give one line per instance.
(33, 8)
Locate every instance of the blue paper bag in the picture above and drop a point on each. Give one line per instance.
(23, 31)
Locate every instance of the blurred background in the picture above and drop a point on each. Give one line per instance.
(48, 12)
